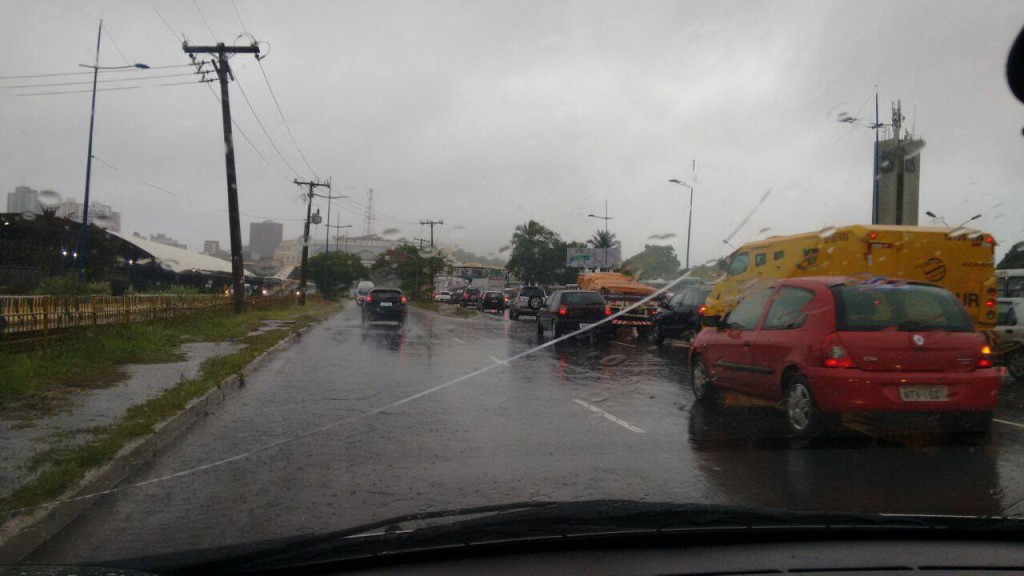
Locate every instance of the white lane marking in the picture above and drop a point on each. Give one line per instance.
(623, 344)
(618, 421)
(497, 361)
(1008, 423)
(459, 341)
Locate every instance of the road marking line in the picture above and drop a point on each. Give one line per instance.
(459, 341)
(497, 361)
(623, 344)
(1008, 423)
(618, 421)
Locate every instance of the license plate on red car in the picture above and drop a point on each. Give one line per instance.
(923, 393)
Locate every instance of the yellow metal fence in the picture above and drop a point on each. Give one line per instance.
(41, 315)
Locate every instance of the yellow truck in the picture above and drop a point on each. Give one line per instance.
(620, 292)
(960, 260)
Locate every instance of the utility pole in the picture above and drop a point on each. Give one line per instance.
(223, 71)
(313, 185)
(421, 241)
(431, 223)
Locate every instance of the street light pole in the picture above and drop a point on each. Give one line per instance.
(689, 223)
(607, 239)
(84, 240)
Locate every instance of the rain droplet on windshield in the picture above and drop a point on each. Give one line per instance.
(827, 231)
(661, 236)
(957, 232)
(49, 198)
(504, 249)
(28, 216)
(168, 264)
(391, 233)
(763, 230)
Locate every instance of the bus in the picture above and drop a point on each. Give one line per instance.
(960, 260)
(1010, 283)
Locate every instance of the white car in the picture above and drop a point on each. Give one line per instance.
(362, 289)
(443, 296)
(1010, 331)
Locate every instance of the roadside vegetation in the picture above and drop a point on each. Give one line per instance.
(94, 357)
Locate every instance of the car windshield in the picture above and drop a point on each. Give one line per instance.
(871, 307)
(277, 270)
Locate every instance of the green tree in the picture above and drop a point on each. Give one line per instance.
(1014, 258)
(538, 254)
(604, 239)
(409, 268)
(653, 262)
(342, 269)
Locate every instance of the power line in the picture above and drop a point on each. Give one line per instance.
(164, 20)
(90, 82)
(53, 74)
(242, 132)
(283, 120)
(239, 16)
(76, 91)
(262, 127)
(116, 47)
(201, 15)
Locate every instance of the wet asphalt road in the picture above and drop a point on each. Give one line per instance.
(573, 421)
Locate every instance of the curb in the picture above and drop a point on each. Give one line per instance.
(23, 534)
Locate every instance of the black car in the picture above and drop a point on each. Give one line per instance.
(681, 315)
(456, 296)
(385, 304)
(492, 301)
(528, 300)
(470, 297)
(570, 310)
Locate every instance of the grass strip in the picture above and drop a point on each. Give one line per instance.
(57, 470)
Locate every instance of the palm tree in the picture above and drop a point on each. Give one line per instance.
(604, 239)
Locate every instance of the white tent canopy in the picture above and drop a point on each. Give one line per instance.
(177, 260)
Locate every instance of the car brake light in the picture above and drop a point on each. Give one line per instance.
(368, 299)
(404, 300)
(990, 239)
(991, 303)
(607, 310)
(701, 310)
(835, 355)
(562, 310)
(986, 357)
(873, 235)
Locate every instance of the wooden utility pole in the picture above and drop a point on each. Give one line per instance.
(431, 223)
(223, 71)
(313, 185)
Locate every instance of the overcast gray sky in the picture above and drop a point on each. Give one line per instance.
(486, 114)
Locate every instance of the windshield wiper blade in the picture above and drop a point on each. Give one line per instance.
(533, 521)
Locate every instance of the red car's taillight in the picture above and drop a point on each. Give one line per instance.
(986, 357)
(702, 310)
(368, 299)
(404, 300)
(607, 310)
(835, 355)
(562, 310)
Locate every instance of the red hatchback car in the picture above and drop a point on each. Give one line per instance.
(824, 346)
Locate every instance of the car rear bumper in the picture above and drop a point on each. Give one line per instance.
(852, 390)
(572, 325)
(386, 314)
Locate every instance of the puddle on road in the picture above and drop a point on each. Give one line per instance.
(23, 440)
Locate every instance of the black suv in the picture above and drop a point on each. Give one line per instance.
(681, 316)
(470, 297)
(570, 310)
(528, 300)
(385, 304)
(456, 296)
(492, 300)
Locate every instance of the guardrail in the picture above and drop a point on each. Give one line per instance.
(32, 316)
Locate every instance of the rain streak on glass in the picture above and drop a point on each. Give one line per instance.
(49, 198)
(391, 233)
(661, 236)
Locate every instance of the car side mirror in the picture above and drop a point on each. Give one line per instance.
(712, 322)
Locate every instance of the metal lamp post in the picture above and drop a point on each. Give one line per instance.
(83, 242)
(607, 239)
(931, 214)
(689, 222)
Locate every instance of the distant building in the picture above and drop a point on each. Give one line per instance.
(100, 214)
(165, 240)
(289, 252)
(899, 174)
(211, 247)
(264, 238)
(23, 200)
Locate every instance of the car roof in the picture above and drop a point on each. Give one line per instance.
(385, 289)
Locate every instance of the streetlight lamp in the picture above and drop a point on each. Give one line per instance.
(607, 238)
(931, 214)
(689, 222)
(971, 219)
(83, 242)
